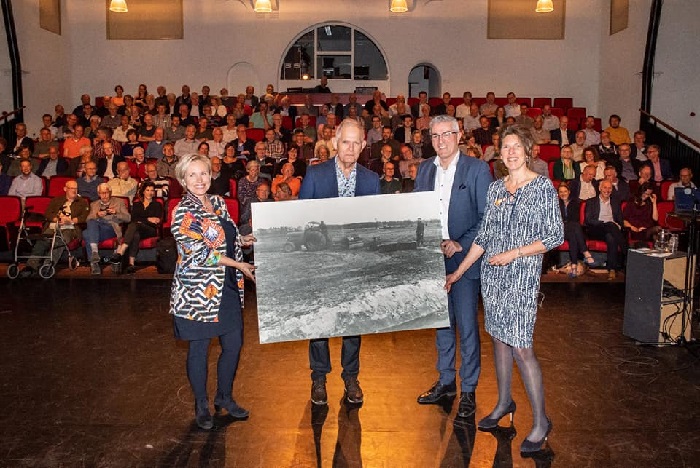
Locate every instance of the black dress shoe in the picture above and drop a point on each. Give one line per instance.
(467, 405)
(202, 416)
(230, 406)
(437, 392)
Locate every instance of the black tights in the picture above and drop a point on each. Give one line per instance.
(226, 368)
(531, 375)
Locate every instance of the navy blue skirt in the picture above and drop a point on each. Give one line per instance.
(230, 309)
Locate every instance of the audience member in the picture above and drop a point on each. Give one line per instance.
(604, 221)
(562, 136)
(131, 144)
(570, 208)
(161, 184)
(565, 168)
(41, 148)
(641, 215)
(618, 134)
(187, 145)
(107, 166)
(24, 154)
(579, 145)
(549, 122)
(287, 177)
(64, 212)
(123, 185)
(592, 135)
(155, 146)
(585, 186)
(165, 167)
(219, 180)
(539, 133)
(639, 148)
(245, 147)
(660, 168)
(537, 164)
(409, 183)
(388, 183)
(293, 158)
(627, 167)
(488, 109)
(686, 176)
(482, 135)
(89, 181)
(26, 184)
(52, 165)
(72, 144)
(103, 222)
(592, 158)
(621, 189)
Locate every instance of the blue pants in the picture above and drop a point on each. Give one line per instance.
(320, 357)
(227, 365)
(462, 305)
(95, 232)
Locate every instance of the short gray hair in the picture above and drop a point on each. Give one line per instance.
(442, 119)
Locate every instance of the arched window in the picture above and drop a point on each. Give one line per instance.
(336, 51)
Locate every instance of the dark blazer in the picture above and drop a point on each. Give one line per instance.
(61, 166)
(467, 204)
(321, 182)
(622, 191)
(593, 211)
(339, 111)
(400, 134)
(102, 165)
(666, 172)
(575, 187)
(558, 170)
(571, 213)
(556, 135)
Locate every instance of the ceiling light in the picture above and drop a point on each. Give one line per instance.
(262, 6)
(398, 6)
(544, 6)
(118, 6)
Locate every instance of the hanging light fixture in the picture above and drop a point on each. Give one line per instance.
(544, 6)
(398, 6)
(118, 6)
(262, 6)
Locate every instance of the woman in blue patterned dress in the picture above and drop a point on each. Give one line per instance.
(207, 292)
(522, 221)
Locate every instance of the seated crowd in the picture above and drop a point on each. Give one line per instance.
(121, 154)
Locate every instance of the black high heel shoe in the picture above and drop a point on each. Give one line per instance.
(489, 424)
(529, 447)
(202, 416)
(231, 406)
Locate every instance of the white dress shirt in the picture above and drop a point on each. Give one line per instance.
(444, 178)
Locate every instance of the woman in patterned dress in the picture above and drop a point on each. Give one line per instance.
(522, 221)
(207, 292)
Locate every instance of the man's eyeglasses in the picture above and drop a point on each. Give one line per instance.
(443, 135)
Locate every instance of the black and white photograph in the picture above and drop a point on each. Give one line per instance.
(348, 266)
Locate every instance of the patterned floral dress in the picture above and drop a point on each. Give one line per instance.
(511, 221)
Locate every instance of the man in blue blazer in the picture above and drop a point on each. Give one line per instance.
(461, 182)
(654, 161)
(339, 177)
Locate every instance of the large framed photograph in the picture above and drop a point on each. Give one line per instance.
(349, 266)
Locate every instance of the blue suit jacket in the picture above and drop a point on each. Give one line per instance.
(467, 204)
(320, 182)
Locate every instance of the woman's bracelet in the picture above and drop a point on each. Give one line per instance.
(520, 253)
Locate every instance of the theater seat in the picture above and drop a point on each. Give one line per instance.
(10, 212)
(549, 152)
(36, 205)
(539, 102)
(563, 103)
(56, 185)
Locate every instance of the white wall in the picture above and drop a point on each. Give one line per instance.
(450, 34)
(676, 91)
(598, 70)
(622, 59)
(47, 74)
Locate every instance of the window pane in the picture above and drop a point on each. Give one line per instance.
(334, 66)
(369, 61)
(299, 59)
(334, 39)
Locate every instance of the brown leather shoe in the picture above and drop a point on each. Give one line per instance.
(318, 392)
(353, 392)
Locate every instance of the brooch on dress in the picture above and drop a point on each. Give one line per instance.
(499, 201)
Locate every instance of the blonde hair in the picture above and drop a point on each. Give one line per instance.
(184, 163)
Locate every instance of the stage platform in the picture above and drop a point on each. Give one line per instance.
(92, 377)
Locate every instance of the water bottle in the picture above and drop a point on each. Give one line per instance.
(673, 243)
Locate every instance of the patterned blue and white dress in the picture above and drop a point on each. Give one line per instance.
(511, 221)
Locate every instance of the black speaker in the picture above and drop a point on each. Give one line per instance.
(654, 294)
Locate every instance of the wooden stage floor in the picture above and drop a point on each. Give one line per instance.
(92, 377)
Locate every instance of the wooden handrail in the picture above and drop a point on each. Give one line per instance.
(6, 115)
(673, 130)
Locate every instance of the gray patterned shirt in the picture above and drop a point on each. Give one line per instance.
(346, 186)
